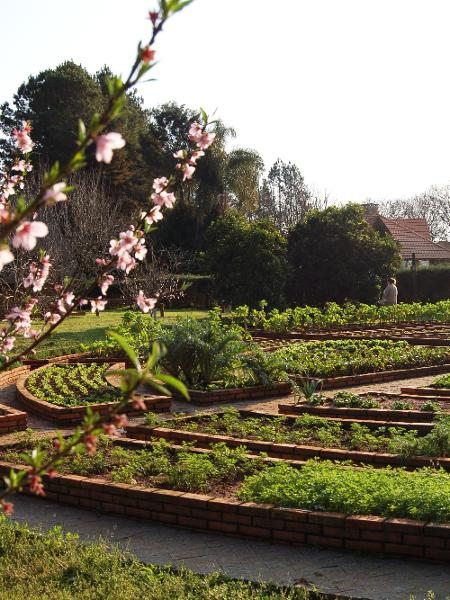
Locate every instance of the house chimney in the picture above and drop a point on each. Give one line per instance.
(370, 209)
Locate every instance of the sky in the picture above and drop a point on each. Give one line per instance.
(355, 92)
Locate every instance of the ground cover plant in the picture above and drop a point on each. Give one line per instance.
(319, 485)
(423, 494)
(56, 566)
(350, 357)
(442, 382)
(158, 465)
(333, 315)
(72, 385)
(312, 430)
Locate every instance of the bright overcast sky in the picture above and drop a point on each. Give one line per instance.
(355, 92)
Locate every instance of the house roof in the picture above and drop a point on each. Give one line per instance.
(413, 235)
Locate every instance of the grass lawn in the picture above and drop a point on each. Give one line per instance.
(89, 328)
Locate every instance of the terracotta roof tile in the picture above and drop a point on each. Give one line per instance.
(413, 235)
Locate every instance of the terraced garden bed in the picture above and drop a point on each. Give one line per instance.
(242, 393)
(224, 490)
(375, 405)
(308, 436)
(62, 392)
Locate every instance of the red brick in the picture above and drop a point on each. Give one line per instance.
(191, 522)
(138, 512)
(437, 554)
(365, 522)
(289, 536)
(404, 549)
(223, 527)
(364, 545)
(268, 523)
(323, 540)
(164, 517)
(258, 532)
(327, 518)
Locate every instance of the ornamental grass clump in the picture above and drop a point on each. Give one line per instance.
(325, 486)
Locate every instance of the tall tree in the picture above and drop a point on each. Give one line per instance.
(284, 196)
(335, 255)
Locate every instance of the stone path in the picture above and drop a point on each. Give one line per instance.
(357, 575)
(349, 574)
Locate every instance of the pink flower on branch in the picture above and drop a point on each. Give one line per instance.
(8, 344)
(52, 318)
(166, 199)
(120, 421)
(105, 283)
(90, 441)
(145, 304)
(153, 215)
(55, 193)
(138, 403)
(106, 143)
(153, 16)
(27, 233)
(36, 486)
(99, 304)
(160, 184)
(6, 256)
(22, 138)
(147, 55)
(195, 132)
(205, 141)
(8, 508)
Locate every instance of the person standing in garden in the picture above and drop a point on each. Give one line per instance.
(390, 293)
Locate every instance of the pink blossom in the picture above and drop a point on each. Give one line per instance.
(8, 508)
(52, 318)
(125, 262)
(20, 317)
(36, 486)
(69, 298)
(6, 256)
(182, 154)
(140, 250)
(205, 140)
(27, 232)
(22, 137)
(30, 333)
(145, 304)
(105, 283)
(153, 16)
(152, 216)
(121, 420)
(55, 193)
(188, 171)
(38, 275)
(106, 143)
(8, 344)
(147, 55)
(22, 165)
(195, 132)
(160, 184)
(90, 442)
(138, 403)
(98, 304)
(109, 428)
(195, 156)
(166, 199)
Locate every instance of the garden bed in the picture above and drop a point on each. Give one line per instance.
(391, 407)
(242, 393)
(10, 376)
(76, 413)
(227, 510)
(12, 419)
(299, 439)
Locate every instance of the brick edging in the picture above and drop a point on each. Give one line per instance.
(376, 377)
(393, 537)
(244, 393)
(431, 393)
(75, 414)
(12, 420)
(12, 375)
(377, 414)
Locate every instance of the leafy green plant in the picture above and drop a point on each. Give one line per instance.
(402, 405)
(442, 382)
(430, 406)
(423, 494)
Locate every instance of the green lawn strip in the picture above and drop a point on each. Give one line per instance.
(423, 494)
(90, 328)
(54, 566)
(318, 431)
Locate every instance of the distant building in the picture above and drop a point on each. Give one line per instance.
(413, 235)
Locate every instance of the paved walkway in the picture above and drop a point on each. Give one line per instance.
(350, 574)
(333, 572)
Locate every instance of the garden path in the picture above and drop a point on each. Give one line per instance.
(333, 572)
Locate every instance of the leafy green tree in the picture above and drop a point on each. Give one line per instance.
(335, 255)
(247, 259)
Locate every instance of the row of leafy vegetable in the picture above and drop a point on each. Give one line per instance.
(423, 494)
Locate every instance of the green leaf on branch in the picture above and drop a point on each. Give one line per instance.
(174, 383)
(130, 353)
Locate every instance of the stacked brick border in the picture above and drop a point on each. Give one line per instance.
(75, 414)
(384, 415)
(378, 377)
(393, 537)
(280, 450)
(12, 419)
(244, 393)
(431, 393)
